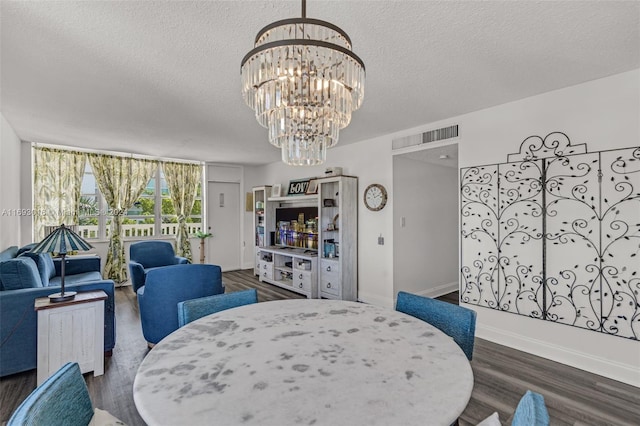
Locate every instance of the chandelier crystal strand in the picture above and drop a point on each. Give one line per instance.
(303, 82)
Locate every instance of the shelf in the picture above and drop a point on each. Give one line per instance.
(295, 198)
(308, 248)
(285, 282)
(298, 252)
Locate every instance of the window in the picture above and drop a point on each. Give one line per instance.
(152, 214)
(169, 216)
(140, 220)
(91, 205)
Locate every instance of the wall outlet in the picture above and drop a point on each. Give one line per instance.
(381, 240)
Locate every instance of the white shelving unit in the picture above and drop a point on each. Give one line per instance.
(333, 272)
(293, 269)
(338, 239)
(264, 217)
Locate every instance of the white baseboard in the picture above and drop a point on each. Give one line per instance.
(625, 373)
(375, 299)
(434, 292)
(440, 290)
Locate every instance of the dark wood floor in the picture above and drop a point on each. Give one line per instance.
(501, 375)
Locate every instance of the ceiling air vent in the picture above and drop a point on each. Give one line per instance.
(427, 137)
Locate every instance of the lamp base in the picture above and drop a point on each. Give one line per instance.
(59, 297)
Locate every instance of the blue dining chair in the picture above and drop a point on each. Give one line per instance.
(191, 310)
(455, 321)
(531, 411)
(61, 400)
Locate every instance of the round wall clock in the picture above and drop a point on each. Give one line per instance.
(375, 197)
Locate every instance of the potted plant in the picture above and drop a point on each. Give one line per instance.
(202, 236)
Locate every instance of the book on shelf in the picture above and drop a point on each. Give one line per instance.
(260, 236)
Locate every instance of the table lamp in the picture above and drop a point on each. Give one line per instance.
(62, 240)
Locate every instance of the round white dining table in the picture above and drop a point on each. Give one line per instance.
(304, 362)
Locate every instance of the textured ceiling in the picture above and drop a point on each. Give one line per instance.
(163, 77)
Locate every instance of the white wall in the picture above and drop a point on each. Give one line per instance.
(603, 113)
(10, 169)
(371, 162)
(425, 249)
(252, 178)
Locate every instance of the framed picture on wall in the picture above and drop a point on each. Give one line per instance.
(248, 202)
(312, 188)
(276, 190)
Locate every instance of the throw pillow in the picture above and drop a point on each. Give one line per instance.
(8, 253)
(18, 273)
(45, 265)
(26, 248)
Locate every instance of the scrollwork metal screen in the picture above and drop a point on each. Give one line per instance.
(554, 234)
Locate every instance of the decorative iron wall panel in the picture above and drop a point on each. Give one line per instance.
(479, 213)
(554, 234)
(520, 237)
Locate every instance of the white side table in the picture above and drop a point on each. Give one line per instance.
(71, 331)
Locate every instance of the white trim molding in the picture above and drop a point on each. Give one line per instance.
(375, 299)
(440, 290)
(626, 373)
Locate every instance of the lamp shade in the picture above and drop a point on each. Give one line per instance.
(62, 240)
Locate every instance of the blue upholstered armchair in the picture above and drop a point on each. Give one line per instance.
(165, 287)
(147, 255)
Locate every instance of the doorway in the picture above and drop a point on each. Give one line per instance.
(223, 219)
(425, 221)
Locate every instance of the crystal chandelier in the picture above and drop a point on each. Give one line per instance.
(303, 81)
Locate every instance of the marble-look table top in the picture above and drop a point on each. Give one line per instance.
(304, 362)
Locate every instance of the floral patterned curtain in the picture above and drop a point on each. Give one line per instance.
(182, 180)
(57, 186)
(121, 180)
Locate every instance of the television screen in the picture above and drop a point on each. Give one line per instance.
(288, 236)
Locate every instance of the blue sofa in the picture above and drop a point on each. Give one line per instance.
(145, 256)
(25, 277)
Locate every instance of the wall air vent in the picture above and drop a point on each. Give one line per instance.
(426, 137)
(440, 134)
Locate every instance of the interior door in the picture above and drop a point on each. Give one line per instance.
(223, 218)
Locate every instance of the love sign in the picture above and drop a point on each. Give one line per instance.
(298, 187)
